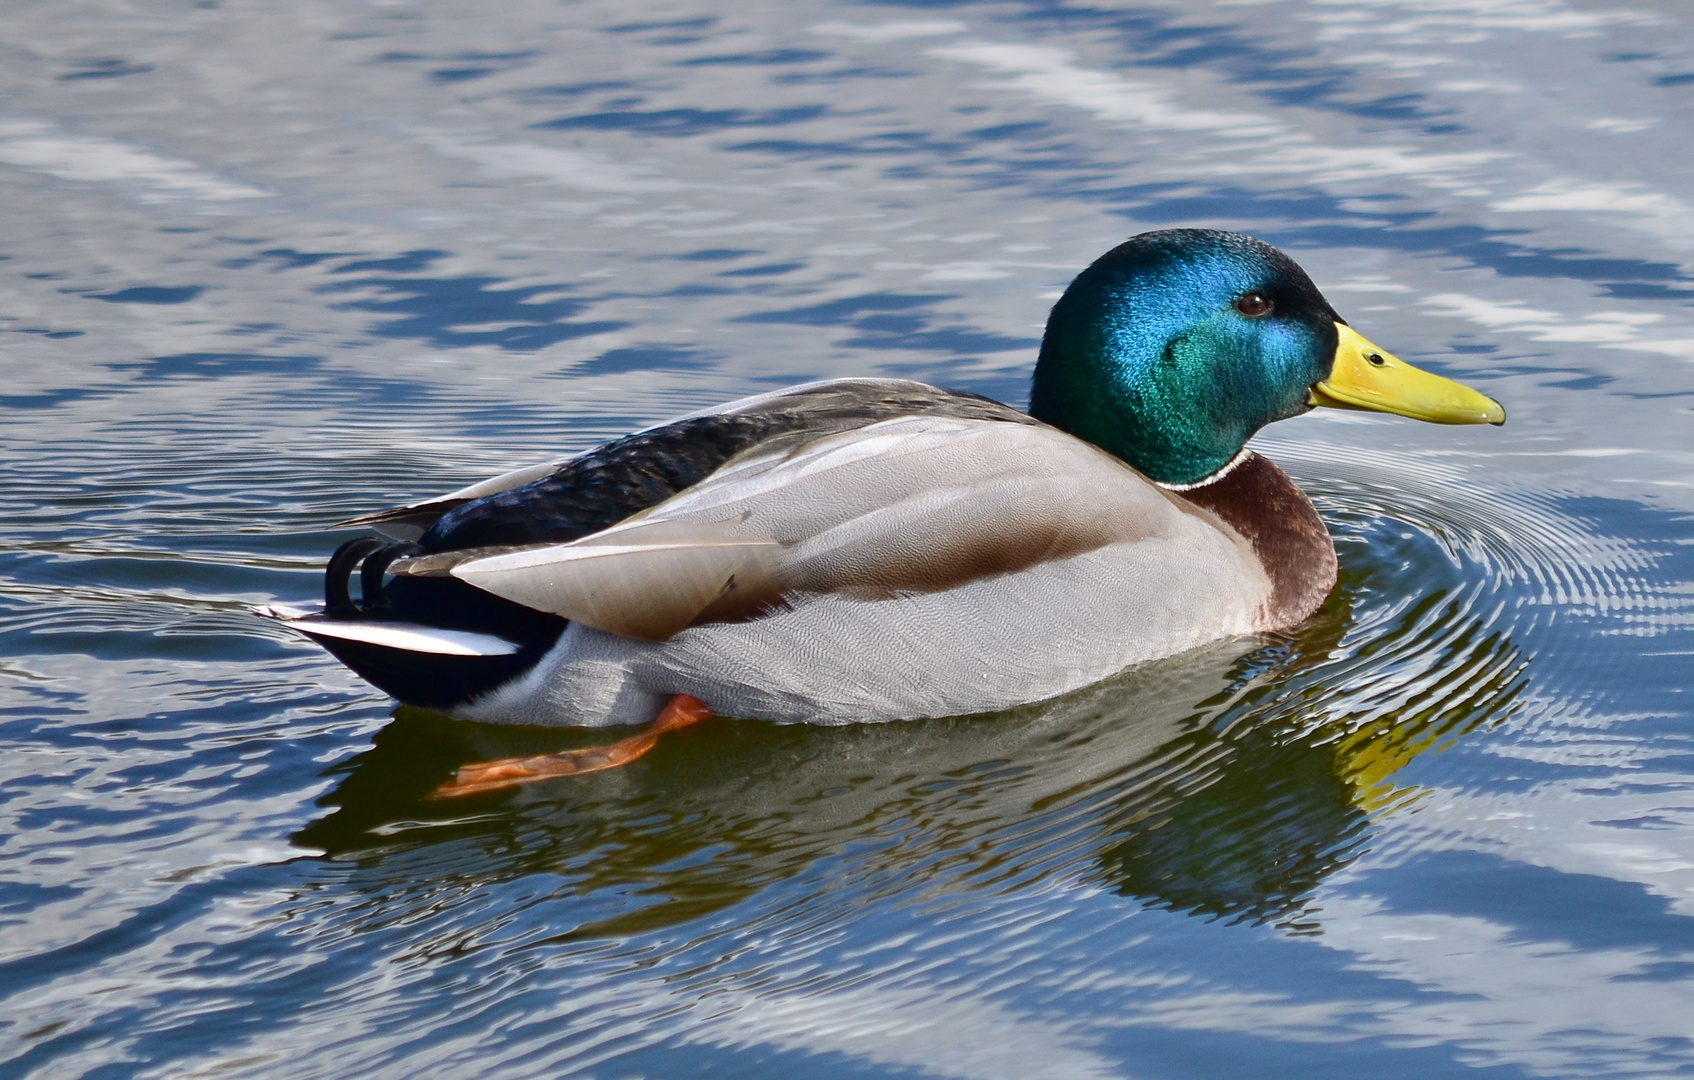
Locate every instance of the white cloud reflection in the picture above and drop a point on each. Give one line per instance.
(890, 31)
(1053, 75)
(1626, 330)
(41, 147)
(583, 170)
(921, 1028)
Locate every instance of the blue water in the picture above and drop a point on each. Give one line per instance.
(265, 267)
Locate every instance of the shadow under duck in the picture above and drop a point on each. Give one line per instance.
(877, 549)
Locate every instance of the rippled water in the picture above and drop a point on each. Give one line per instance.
(264, 267)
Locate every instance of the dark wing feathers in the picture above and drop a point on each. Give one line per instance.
(413, 520)
(600, 488)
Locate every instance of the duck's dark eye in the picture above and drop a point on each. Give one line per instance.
(1254, 305)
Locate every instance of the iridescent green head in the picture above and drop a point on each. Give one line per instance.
(1176, 346)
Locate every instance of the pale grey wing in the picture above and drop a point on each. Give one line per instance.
(910, 505)
(413, 520)
(663, 579)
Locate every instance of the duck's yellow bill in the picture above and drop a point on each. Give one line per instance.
(1366, 377)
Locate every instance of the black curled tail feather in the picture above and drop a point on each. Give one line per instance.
(376, 555)
(376, 565)
(337, 601)
(443, 602)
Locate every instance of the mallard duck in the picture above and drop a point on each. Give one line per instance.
(877, 549)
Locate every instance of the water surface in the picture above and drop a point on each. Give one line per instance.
(265, 267)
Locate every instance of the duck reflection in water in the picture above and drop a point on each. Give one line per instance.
(1218, 783)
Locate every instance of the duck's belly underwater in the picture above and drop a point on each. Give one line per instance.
(986, 645)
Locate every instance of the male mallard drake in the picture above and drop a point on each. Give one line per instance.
(872, 549)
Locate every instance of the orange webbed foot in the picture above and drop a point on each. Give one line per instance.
(679, 712)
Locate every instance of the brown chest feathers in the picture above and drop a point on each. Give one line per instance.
(1271, 513)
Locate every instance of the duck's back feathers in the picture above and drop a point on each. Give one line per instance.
(917, 504)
